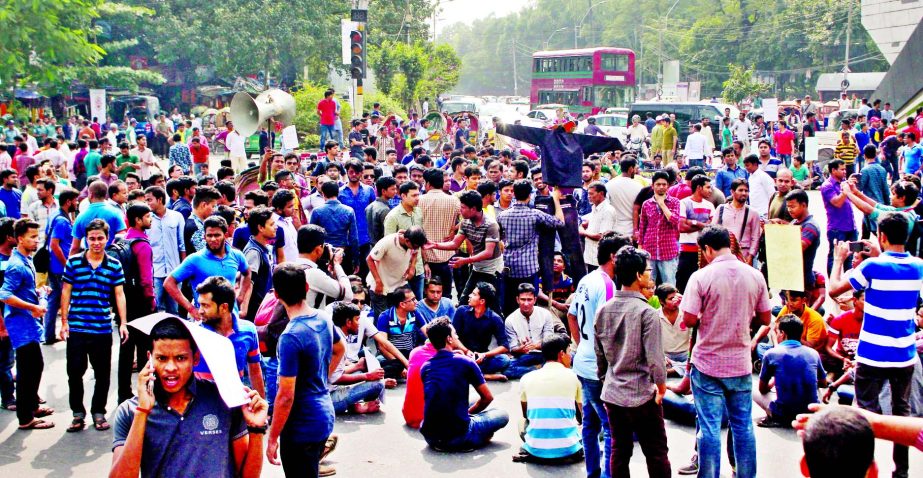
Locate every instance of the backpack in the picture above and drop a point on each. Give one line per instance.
(121, 251)
(270, 320)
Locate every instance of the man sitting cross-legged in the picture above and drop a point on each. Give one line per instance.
(351, 388)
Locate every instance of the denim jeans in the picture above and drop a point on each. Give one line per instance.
(664, 271)
(416, 285)
(495, 364)
(164, 301)
(787, 159)
(678, 362)
(326, 133)
(345, 395)
(595, 419)
(443, 272)
(481, 429)
(839, 236)
(524, 364)
(7, 385)
(300, 459)
(712, 394)
(270, 369)
(54, 304)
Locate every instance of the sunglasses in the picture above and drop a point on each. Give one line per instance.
(358, 302)
(368, 176)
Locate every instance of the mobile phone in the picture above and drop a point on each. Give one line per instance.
(856, 246)
(150, 383)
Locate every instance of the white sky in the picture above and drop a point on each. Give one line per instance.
(453, 11)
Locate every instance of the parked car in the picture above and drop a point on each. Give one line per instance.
(614, 125)
(686, 113)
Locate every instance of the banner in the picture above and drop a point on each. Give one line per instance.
(289, 138)
(771, 109)
(98, 105)
(810, 150)
(784, 260)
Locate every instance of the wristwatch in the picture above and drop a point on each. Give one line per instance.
(257, 430)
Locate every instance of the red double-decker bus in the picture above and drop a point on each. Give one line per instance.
(587, 80)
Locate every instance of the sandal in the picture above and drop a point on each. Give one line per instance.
(37, 425)
(9, 406)
(43, 412)
(77, 425)
(100, 424)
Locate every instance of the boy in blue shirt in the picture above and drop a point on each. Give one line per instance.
(797, 371)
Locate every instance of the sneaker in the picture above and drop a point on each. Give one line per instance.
(326, 470)
(330, 446)
(692, 468)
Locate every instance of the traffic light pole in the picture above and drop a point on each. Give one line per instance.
(358, 59)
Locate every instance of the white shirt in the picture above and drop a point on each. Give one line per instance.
(637, 131)
(425, 107)
(709, 139)
(600, 220)
(148, 163)
(695, 146)
(235, 144)
(539, 325)
(423, 135)
(845, 104)
(762, 188)
(742, 131)
(622, 193)
(290, 248)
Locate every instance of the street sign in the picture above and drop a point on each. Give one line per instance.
(361, 16)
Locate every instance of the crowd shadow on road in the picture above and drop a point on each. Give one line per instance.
(72, 450)
(449, 463)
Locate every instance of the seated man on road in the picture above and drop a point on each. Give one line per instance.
(477, 326)
(526, 329)
(814, 333)
(797, 372)
(403, 328)
(551, 398)
(449, 423)
(413, 396)
(434, 304)
(673, 332)
(351, 389)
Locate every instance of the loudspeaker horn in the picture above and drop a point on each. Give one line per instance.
(248, 113)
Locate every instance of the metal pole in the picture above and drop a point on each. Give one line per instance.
(848, 31)
(515, 80)
(575, 36)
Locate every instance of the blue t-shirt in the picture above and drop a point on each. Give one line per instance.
(203, 264)
(403, 338)
(99, 210)
(476, 332)
(61, 229)
(912, 157)
(796, 369)
(91, 293)
(592, 292)
(446, 377)
(305, 351)
(358, 202)
(246, 348)
(11, 198)
(892, 283)
(459, 136)
(19, 281)
(445, 308)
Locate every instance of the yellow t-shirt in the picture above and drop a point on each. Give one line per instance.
(814, 327)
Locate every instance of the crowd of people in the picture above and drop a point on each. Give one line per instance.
(630, 300)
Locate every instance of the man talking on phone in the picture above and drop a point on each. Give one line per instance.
(178, 425)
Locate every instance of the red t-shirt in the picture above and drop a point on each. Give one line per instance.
(199, 153)
(784, 141)
(413, 397)
(846, 327)
(914, 130)
(328, 111)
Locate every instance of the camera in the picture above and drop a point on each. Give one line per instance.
(857, 246)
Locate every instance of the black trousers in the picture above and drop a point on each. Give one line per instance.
(687, 264)
(645, 422)
(135, 349)
(97, 350)
(869, 382)
(29, 367)
(300, 460)
(442, 271)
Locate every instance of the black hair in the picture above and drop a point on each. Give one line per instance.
(407, 187)
(416, 236)
(629, 264)
(792, 326)
(282, 174)
(136, 211)
(398, 295)
(439, 332)
(751, 159)
(205, 194)
(259, 197)
(798, 195)
(472, 200)
(522, 189)
(258, 217)
(626, 163)
(486, 188)
(216, 222)
(663, 291)
(270, 186)
(330, 189)
(22, 226)
(487, 292)
(906, 190)
(67, 194)
(289, 281)
(835, 164)
(525, 288)
(553, 345)
(521, 167)
(309, 237)
(699, 181)
(282, 197)
(662, 174)
(220, 288)
(223, 173)
(433, 177)
(384, 183)
(714, 236)
(609, 245)
(343, 311)
(838, 442)
(738, 183)
(895, 226)
(172, 329)
(6, 228)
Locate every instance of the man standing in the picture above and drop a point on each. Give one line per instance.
(731, 171)
(392, 262)
(43, 209)
(91, 281)
(670, 141)
(741, 220)
(892, 280)
(594, 290)
(440, 214)
(696, 146)
(840, 223)
(260, 259)
(622, 192)
(10, 194)
(98, 209)
(327, 111)
(237, 152)
(179, 155)
(339, 222)
(449, 423)
(658, 230)
(784, 141)
(721, 300)
(796, 202)
(696, 212)
(167, 245)
(376, 212)
(286, 236)
(629, 352)
(402, 218)
(742, 131)
(308, 353)
(20, 322)
(326, 286)
(600, 221)
(60, 236)
(873, 182)
(761, 185)
(358, 196)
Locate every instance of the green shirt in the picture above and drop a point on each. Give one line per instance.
(657, 138)
(885, 208)
(120, 160)
(669, 136)
(800, 174)
(727, 137)
(91, 163)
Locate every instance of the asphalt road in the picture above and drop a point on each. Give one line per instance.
(374, 445)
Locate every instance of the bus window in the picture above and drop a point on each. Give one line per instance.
(610, 62)
(613, 96)
(537, 65)
(587, 62)
(708, 111)
(587, 93)
(686, 114)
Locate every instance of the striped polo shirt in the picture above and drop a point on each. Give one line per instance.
(550, 395)
(91, 291)
(892, 284)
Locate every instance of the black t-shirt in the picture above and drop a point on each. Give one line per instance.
(646, 193)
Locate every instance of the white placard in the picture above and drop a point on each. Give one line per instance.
(216, 350)
(289, 138)
(98, 105)
(810, 150)
(771, 109)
